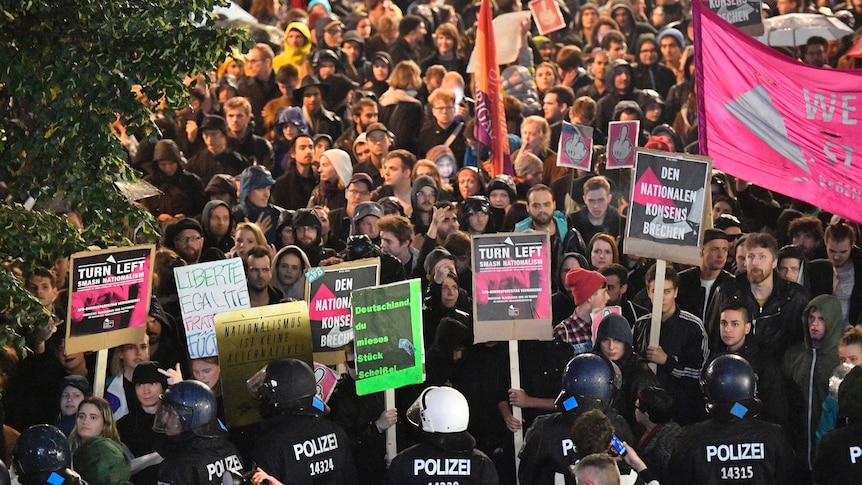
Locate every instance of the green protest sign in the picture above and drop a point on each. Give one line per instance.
(388, 330)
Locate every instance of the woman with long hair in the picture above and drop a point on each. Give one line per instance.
(94, 419)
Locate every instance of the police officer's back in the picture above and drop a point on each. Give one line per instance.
(590, 382)
(296, 443)
(839, 459)
(732, 446)
(197, 450)
(448, 454)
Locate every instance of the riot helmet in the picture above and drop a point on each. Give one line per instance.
(185, 406)
(588, 378)
(730, 385)
(288, 386)
(41, 448)
(442, 413)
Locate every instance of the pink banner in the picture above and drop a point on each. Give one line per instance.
(771, 120)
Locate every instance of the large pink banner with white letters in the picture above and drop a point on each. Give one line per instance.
(776, 122)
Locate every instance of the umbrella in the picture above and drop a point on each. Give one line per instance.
(794, 29)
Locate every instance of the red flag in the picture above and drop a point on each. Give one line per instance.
(490, 127)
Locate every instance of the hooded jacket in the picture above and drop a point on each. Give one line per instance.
(183, 192)
(224, 243)
(418, 184)
(810, 369)
(290, 55)
(295, 291)
(402, 113)
(606, 105)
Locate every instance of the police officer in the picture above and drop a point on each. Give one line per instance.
(197, 450)
(590, 382)
(448, 454)
(296, 443)
(731, 446)
(42, 455)
(839, 459)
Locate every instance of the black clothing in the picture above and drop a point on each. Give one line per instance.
(204, 164)
(357, 414)
(183, 193)
(684, 340)
(400, 50)
(613, 224)
(258, 93)
(198, 460)
(136, 432)
(292, 190)
(304, 450)
(425, 463)
(714, 452)
(254, 148)
(548, 448)
(325, 122)
(432, 135)
(776, 324)
(692, 297)
(247, 211)
(838, 460)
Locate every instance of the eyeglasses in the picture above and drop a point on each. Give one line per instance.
(187, 240)
(357, 192)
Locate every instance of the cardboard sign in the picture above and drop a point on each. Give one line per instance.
(326, 380)
(746, 15)
(328, 299)
(389, 347)
(206, 289)
(109, 297)
(668, 206)
(622, 143)
(547, 15)
(576, 147)
(512, 286)
(247, 341)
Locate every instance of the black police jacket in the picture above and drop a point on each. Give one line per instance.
(304, 450)
(198, 460)
(425, 463)
(738, 451)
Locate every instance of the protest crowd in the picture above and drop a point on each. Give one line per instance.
(356, 138)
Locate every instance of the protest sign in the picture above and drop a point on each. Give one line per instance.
(622, 143)
(247, 340)
(328, 298)
(206, 289)
(507, 45)
(668, 206)
(326, 380)
(746, 15)
(576, 147)
(512, 286)
(389, 347)
(773, 121)
(109, 297)
(547, 15)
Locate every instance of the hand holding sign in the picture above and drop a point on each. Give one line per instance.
(622, 147)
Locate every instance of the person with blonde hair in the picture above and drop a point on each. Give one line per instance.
(400, 111)
(246, 236)
(119, 388)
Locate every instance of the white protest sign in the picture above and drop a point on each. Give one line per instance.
(204, 290)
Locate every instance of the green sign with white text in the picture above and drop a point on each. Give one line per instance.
(387, 322)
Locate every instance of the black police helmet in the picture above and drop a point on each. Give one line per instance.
(290, 387)
(41, 448)
(588, 377)
(729, 378)
(194, 403)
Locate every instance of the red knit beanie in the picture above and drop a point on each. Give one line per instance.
(583, 283)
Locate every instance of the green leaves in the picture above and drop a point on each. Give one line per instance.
(75, 64)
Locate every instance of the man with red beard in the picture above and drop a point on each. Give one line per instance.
(775, 305)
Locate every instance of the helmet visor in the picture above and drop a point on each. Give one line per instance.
(169, 419)
(256, 383)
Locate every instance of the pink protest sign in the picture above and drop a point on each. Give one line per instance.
(548, 16)
(776, 122)
(326, 380)
(576, 147)
(622, 142)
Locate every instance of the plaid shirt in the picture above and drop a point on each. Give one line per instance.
(576, 332)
